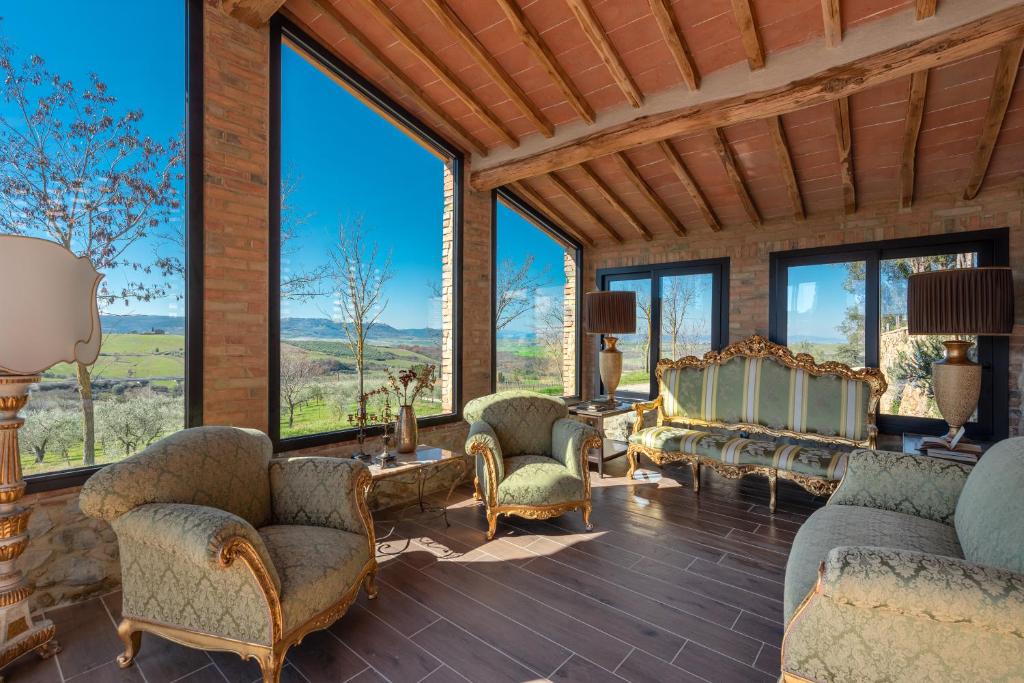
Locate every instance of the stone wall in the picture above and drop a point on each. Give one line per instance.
(748, 250)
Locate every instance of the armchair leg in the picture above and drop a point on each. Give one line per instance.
(773, 479)
(492, 524)
(132, 640)
(586, 517)
(631, 456)
(476, 488)
(370, 584)
(270, 665)
(695, 475)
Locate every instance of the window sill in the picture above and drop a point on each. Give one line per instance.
(346, 435)
(61, 479)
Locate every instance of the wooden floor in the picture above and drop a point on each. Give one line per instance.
(668, 587)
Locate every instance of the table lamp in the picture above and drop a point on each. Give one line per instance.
(611, 313)
(50, 316)
(958, 302)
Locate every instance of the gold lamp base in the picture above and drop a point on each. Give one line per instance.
(956, 381)
(19, 633)
(611, 367)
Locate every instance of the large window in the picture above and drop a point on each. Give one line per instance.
(850, 305)
(366, 244)
(535, 301)
(681, 310)
(92, 155)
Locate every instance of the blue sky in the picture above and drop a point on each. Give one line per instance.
(818, 302)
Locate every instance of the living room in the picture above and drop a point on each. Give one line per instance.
(512, 340)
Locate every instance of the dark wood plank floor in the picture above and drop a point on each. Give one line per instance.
(669, 586)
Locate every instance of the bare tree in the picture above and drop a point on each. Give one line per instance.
(359, 274)
(515, 288)
(643, 304)
(74, 171)
(297, 374)
(552, 332)
(304, 283)
(679, 295)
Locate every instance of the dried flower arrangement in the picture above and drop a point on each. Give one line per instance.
(408, 384)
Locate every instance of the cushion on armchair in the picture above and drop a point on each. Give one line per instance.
(537, 480)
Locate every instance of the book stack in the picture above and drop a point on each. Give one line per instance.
(946, 448)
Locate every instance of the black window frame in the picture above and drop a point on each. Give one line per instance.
(542, 223)
(51, 481)
(281, 29)
(718, 268)
(992, 247)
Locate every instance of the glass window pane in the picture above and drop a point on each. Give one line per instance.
(636, 370)
(905, 360)
(535, 298)
(686, 315)
(367, 236)
(94, 144)
(825, 310)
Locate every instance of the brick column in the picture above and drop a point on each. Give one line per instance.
(569, 324)
(477, 314)
(447, 376)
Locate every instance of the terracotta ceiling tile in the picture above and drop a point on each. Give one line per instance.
(859, 11)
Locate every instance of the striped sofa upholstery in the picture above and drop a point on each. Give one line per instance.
(807, 416)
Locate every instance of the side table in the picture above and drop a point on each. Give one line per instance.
(912, 444)
(610, 448)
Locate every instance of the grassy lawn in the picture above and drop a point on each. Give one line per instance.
(317, 417)
(132, 355)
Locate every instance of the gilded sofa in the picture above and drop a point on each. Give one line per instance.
(531, 459)
(707, 407)
(914, 571)
(224, 548)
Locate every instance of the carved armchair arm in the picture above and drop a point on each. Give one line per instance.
(642, 408)
(902, 482)
(321, 491)
(570, 441)
(490, 464)
(199, 568)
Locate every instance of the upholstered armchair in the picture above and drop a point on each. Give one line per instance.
(224, 548)
(531, 459)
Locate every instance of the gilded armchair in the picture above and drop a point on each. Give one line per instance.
(224, 548)
(531, 459)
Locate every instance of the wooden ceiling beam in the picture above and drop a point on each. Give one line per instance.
(412, 43)
(617, 204)
(630, 171)
(551, 213)
(255, 13)
(580, 206)
(529, 36)
(911, 131)
(451, 21)
(679, 168)
(750, 35)
(832, 19)
(410, 89)
(925, 8)
(778, 136)
(673, 37)
(1002, 89)
(595, 33)
(844, 143)
(732, 170)
(799, 86)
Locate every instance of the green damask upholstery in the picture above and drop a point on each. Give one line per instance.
(990, 512)
(180, 505)
(537, 453)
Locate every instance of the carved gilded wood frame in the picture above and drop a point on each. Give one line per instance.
(270, 657)
(758, 347)
(480, 449)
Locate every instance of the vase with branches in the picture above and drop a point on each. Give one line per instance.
(407, 385)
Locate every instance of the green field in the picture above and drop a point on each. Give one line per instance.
(136, 356)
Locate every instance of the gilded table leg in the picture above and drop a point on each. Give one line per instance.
(695, 475)
(773, 478)
(132, 640)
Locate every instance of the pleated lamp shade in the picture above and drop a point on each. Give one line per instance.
(610, 312)
(961, 301)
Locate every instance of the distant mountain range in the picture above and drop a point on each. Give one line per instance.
(815, 339)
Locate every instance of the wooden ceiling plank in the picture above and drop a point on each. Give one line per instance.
(631, 172)
(832, 18)
(673, 36)
(595, 33)
(1002, 89)
(551, 213)
(605, 191)
(529, 36)
(925, 8)
(733, 171)
(255, 13)
(750, 35)
(799, 91)
(911, 131)
(411, 90)
(778, 136)
(412, 42)
(447, 16)
(580, 206)
(679, 168)
(844, 143)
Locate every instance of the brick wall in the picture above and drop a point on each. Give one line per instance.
(748, 248)
(569, 300)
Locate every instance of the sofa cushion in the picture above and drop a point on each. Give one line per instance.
(849, 525)
(990, 512)
(317, 566)
(537, 480)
